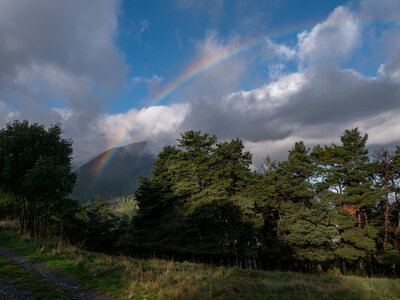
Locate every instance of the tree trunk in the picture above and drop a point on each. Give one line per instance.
(61, 229)
(365, 217)
(344, 267)
(396, 232)
(386, 221)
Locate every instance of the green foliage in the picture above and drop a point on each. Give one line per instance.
(103, 227)
(8, 208)
(310, 233)
(192, 195)
(350, 253)
(347, 173)
(126, 205)
(326, 208)
(295, 175)
(316, 208)
(35, 167)
(390, 257)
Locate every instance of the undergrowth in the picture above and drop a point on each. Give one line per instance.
(133, 278)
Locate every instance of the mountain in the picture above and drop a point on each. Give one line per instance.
(115, 177)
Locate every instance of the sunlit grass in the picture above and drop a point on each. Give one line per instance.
(133, 278)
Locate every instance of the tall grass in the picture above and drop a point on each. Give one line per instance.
(133, 278)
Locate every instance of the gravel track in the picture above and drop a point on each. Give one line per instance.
(12, 291)
(72, 288)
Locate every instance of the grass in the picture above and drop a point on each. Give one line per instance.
(39, 288)
(132, 278)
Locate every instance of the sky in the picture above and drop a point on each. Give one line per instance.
(273, 72)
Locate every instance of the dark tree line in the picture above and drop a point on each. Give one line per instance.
(326, 207)
(332, 207)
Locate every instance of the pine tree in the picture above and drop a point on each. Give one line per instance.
(347, 181)
(384, 180)
(295, 176)
(310, 233)
(396, 190)
(187, 205)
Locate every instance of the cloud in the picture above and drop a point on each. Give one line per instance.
(383, 10)
(311, 105)
(57, 54)
(158, 124)
(53, 56)
(281, 51)
(224, 75)
(391, 68)
(73, 36)
(333, 39)
(315, 104)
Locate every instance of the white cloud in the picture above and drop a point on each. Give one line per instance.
(145, 124)
(281, 51)
(267, 97)
(333, 39)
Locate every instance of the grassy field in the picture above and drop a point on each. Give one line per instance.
(132, 278)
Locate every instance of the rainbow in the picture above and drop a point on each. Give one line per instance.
(189, 74)
(194, 70)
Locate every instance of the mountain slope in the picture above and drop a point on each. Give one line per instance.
(119, 176)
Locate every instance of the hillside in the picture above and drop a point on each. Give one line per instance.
(119, 177)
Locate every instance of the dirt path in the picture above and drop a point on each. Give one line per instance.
(72, 288)
(11, 291)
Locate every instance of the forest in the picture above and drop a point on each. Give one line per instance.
(326, 208)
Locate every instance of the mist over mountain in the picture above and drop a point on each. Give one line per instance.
(120, 175)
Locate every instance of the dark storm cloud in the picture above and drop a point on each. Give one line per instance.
(337, 96)
(76, 36)
(56, 53)
(227, 122)
(329, 97)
